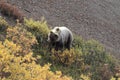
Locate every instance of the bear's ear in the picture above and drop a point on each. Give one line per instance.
(57, 29)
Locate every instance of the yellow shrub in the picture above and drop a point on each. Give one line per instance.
(85, 77)
(114, 78)
(21, 37)
(23, 68)
(66, 57)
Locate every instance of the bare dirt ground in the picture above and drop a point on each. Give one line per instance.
(97, 19)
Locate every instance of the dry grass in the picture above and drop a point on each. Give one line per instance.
(11, 10)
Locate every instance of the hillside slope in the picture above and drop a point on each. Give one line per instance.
(98, 19)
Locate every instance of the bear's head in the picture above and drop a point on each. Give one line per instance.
(54, 35)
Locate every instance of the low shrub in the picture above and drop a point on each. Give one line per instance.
(16, 68)
(3, 24)
(86, 60)
(84, 77)
(21, 37)
(3, 28)
(40, 30)
(66, 57)
(87, 57)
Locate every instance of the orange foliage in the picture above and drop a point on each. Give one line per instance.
(21, 37)
(15, 68)
(65, 57)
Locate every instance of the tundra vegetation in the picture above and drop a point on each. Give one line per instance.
(25, 53)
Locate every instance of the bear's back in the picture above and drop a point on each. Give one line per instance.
(65, 32)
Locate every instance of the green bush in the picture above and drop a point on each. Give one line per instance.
(3, 27)
(3, 24)
(94, 53)
(38, 28)
(89, 59)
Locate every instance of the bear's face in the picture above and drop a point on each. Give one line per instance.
(53, 35)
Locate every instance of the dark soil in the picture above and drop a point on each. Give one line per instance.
(97, 19)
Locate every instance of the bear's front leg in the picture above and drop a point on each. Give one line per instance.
(59, 46)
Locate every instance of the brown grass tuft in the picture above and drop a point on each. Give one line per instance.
(11, 10)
